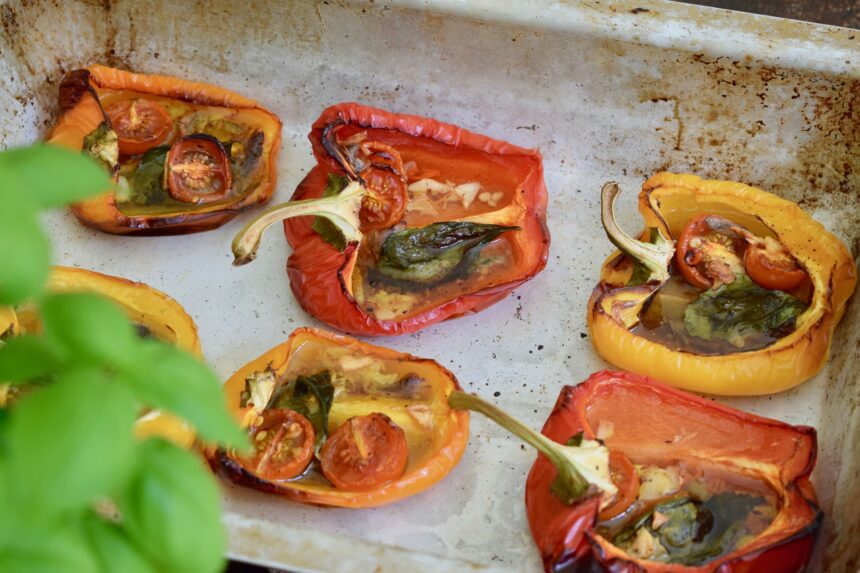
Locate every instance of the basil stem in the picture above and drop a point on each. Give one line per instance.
(579, 467)
(342, 210)
(652, 259)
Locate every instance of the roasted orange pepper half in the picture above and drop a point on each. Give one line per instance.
(703, 465)
(339, 422)
(153, 313)
(186, 156)
(412, 221)
(745, 304)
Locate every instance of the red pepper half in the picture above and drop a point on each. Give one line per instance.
(382, 153)
(654, 422)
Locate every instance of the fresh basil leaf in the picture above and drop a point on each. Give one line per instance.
(435, 253)
(88, 326)
(25, 357)
(24, 249)
(147, 181)
(325, 228)
(102, 145)
(171, 511)
(51, 175)
(70, 442)
(740, 310)
(310, 396)
(168, 378)
(113, 549)
(55, 548)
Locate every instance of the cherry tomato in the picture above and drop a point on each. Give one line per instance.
(687, 257)
(626, 479)
(769, 266)
(385, 200)
(197, 170)
(283, 442)
(364, 453)
(140, 124)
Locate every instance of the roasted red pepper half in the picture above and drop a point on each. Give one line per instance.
(186, 156)
(412, 221)
(698, 461)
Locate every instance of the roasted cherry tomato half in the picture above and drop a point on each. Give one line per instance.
(687, 257)
(364, 453)
(197, 170)
(140, 124)
(769, 266)
(625, 478)
(385, 202)
(283, 442)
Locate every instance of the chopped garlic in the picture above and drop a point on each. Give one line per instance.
(655, 482)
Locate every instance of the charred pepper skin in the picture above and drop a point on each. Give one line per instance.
(320, 274)
(81, 112)
(667, 202)
(784, 454)
(452, 434)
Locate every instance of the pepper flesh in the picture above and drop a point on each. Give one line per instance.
(161, 314)
(321, 275)
(667, 202)
(81, 112)
(654, 422)
(425, 418)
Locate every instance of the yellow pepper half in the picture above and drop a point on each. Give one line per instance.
(161, 316)
(667, 203)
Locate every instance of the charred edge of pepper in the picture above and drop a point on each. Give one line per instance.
(571, 484)
(342, 210)
(654, 258)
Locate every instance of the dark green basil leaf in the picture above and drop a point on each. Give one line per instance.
(147, 181)
(741, 309)
(88, 326)
(435, 253)
(310, 396)
(70, 442)
(325, 228)
(171, 510)
(166, 377)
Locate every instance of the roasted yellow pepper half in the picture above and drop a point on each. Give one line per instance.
(667, 203)
(154, 314)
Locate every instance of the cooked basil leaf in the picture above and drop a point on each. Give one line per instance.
(325, 228)
(435, 253)
(692, 532)
(310, 396)
(741, 309)
(147, 181)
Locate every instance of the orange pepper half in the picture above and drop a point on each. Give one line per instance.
(413, 392)
(88, 96)
(155, 314)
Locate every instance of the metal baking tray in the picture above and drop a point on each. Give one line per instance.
(606, 89)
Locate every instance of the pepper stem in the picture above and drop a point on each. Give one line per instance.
(652, 258)
(578, 467)
(342, 210)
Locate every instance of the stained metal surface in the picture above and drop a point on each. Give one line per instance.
(605, 89)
